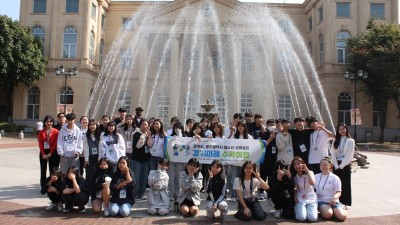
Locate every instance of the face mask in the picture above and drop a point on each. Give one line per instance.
(272, 128)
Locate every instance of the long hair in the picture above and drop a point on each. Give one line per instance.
(177, 125)
(221, 130)
(75, 170)
(292, 170)
(161, 133)
(195, 162)
(96, 132)
(245, 132)
(56, 171)
(336, 143)
(114, 132)
(242, 173)
(126, 125)
(219, 165)
(118, 171)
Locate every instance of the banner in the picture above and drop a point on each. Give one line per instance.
(228, 151)
(357, 116)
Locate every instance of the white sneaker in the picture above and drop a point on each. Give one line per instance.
(277, 213)
(223, 214)
(60, 207)
(50, 207)
(260, 196)
(106, 212)
(233, 199)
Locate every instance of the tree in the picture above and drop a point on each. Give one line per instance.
(377, 51)
(21, 59)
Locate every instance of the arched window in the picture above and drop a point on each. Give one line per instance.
(341, 46)
(38, 31)
(321, 49)
(70, 42)
(66, 97)
(91, 47)
(101, 52)
(33, 103)
(344, 106)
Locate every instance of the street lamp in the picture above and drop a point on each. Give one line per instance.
(359, 75)
(60, 71)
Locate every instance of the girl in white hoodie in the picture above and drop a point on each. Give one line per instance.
(111, 145)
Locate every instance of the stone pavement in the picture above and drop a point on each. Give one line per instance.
(376, 197)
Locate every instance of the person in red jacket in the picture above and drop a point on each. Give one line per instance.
(47, 139)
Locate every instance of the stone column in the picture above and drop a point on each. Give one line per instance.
(174, 76)
(54, 41)
(84, 33)
(143, 61)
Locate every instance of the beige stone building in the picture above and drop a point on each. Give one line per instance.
(82, 32)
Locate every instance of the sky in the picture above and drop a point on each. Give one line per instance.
(11, 8)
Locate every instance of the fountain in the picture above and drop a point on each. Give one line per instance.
(207, 107)
(181, 53)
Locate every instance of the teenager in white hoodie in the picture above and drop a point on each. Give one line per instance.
(69, 144)
(112, 145)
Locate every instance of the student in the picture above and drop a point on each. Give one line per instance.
(245, 186)
(84, 125)
(342, 154)
(282, 190)
(101, 186)
(91, 149)
(156, 144)
(127, 129)
(188, 128)
(52, 187)
(60, 121)
(104, 122)
(190, 186)
(301, 139)
(175, 168)
(122, 116)
(47, 139)
(122, 185)
(141, 158)
(174, 120)
(218, 131)
(74, 191)
(158, 198)
(216, 190)
(284, 143)
(305, 196)
(111, 145)
(69, 144)
(138, 116)
(329, 189)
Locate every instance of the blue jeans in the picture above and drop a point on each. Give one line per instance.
(232, 173)
(304, 211)
(141, 172)
(123, 210)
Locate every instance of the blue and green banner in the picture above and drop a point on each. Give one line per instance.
(229, 151)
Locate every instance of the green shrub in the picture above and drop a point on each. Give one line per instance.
(8, 127)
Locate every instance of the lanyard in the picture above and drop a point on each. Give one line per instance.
(315, 145)
(251, 186)
(48, 133)
(288, 141)
(323, 187)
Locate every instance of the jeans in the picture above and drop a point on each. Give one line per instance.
(123, 210)
(173, 171)
(222, 207)
(306, 211)
(232, 173)
(141, 172)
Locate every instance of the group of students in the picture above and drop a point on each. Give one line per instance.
(124, 155)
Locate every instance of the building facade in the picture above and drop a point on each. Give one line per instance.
(82, 32)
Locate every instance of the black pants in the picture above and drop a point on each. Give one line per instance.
(257, 211)
(285, 204)
(345, 177)
(81, 165)
(53, 161)
(93, 161)
(54, 198)
(80, 199)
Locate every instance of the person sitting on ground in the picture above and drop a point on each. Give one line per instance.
(53, 189)
(216, 190)
(158, 198)
(74, 190)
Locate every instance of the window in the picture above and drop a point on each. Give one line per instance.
(66, 97)
(341, 46)
(220, 106)
(39, 6)
(343, 9)
(377, 10)
(72, 6)
(70, 38)
(309, 24)
(216, 61)
(101, 52)
(91, 46)
(165, 58)
(247, 61)
(284, 107)
(127, 24)
(38, 31)
(321, 14)
(163, 107)
(246, 103)
(126, 59)
(33, 103)
(375, 116)
(103, 21)
(321, 49)
(344, 107)
(190, 106)
(93, 11)
(125, 100)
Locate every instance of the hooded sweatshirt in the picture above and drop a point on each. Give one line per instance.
(69, 141)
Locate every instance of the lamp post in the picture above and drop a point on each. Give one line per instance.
(359, 75)
(60, 71)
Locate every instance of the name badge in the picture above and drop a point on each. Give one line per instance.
(122, 193)
(303, 148)
(129, 144)
(340, 157)
(289, 150)
(273, 150)
(46, 145)
(94, 151)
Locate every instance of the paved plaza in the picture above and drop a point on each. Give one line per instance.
(376, 197)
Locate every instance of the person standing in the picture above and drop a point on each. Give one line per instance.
(91, 149)
(156, 143)
(342, 155)
(138, 116)
(284, 143)
(60, 121)
(111, 145)
(39, 126)
(121, 118)
(47, 139)
(69, 144)
(301, 139)
(84, 123)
